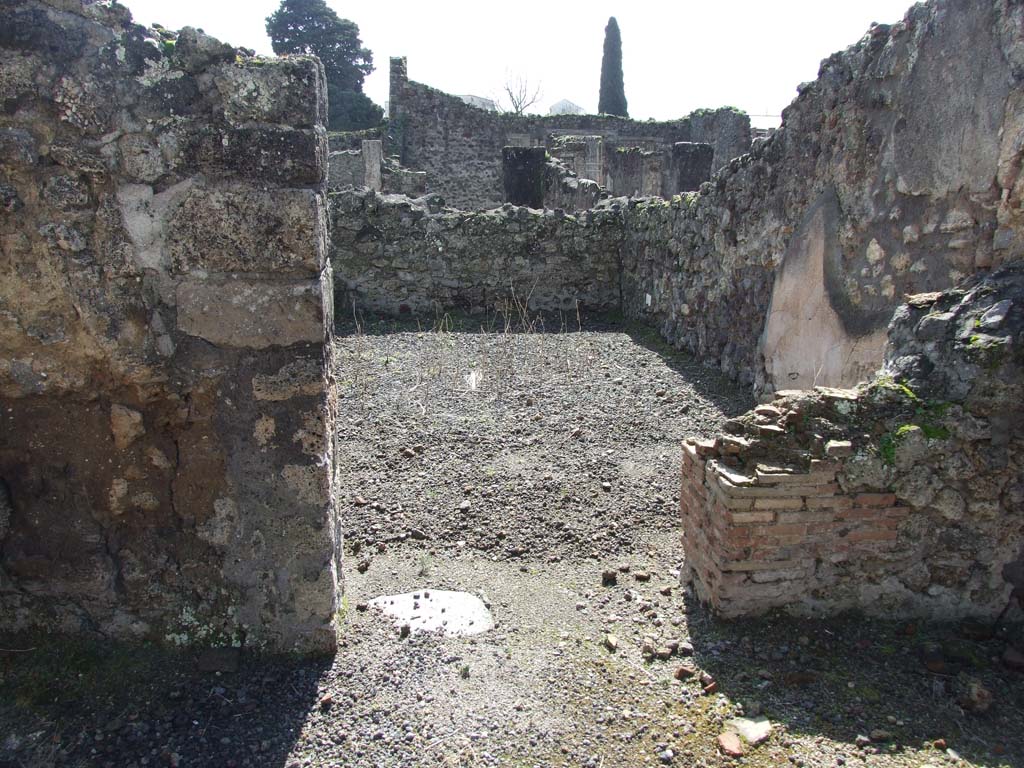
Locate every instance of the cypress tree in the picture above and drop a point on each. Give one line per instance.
(612, 99)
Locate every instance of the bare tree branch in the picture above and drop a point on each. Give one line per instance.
(519, 94)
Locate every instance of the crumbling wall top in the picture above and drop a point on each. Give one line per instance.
(899, 495)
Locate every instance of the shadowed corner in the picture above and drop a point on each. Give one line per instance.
(869, 686)
(92, 701)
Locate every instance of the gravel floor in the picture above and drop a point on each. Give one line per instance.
(523, 468)
(539, 445)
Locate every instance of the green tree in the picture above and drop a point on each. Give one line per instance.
(310, 26)
(612, 98)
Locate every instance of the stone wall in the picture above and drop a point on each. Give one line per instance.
(584, 155)
(627, 170)
(903, 496)
(565, 190)
(367, 168)
(164, 461)
(347, 168)
(459, 146)
(787, 266)
(339, 141)
(897, 171)
(785, 269)
(392, 255)
(361, 167)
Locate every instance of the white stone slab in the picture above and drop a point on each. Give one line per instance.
(753, 730)
(434, 610)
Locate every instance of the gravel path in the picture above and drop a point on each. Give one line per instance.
(539, 445)
(532, 470)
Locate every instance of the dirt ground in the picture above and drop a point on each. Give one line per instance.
(531, 469)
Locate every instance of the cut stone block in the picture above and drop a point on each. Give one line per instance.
(244, 313)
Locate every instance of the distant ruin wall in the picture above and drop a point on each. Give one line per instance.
(394, 255)
(897, 171)
(459, 146)
(339, 141)
(366, 167)
(565, 190)
(361, 167)
(164, 447)
(902, 497)
(785, 269)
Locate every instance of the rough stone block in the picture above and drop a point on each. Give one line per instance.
(346, 169)
(733, 477)
(240, 228)
(126, 425)
(748, 591)
(764, 564)
(256, 314)
(705, 448)
(288, 91)
(838, 448)
(732, 444)
(302, 377)
(690, 456)
(294, 157)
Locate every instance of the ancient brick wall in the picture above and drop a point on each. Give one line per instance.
(459, 146)
(164, 451)
(393, 255)
(896, 171)
(759, 542)
(902, 496)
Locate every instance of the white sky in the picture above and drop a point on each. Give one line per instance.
(677, 55)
